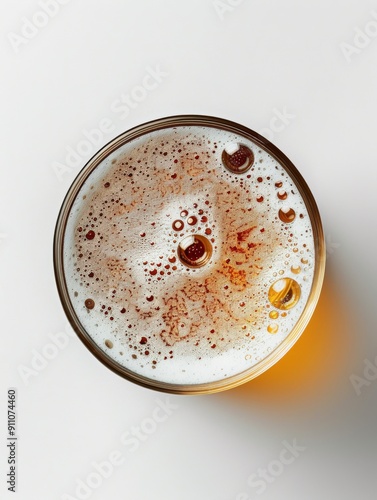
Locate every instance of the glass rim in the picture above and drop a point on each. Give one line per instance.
(319, 254)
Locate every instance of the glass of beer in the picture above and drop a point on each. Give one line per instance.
(189, 254)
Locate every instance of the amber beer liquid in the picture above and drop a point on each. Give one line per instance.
(189, 254)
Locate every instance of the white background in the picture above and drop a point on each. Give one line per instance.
(240, 60)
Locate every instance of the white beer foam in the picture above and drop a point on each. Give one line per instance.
(232, 147)
(171, 323)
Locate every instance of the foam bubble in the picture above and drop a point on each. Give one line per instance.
(157, 314)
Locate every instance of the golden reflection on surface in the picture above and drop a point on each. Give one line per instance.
(319, 359)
